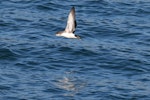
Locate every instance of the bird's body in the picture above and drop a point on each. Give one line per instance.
(65, 34)
(71, 25)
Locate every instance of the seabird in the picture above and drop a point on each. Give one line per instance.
(70, 27)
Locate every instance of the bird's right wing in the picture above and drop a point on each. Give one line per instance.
(71, 22)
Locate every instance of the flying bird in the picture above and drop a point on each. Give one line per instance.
(70, 27)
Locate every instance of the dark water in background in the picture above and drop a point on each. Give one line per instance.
(110, 62)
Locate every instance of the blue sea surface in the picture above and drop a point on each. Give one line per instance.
(111, 61)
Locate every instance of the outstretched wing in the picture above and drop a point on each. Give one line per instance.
(71, 23)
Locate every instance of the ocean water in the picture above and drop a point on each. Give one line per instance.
(110, 62)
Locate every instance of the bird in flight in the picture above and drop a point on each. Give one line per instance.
(70, 27)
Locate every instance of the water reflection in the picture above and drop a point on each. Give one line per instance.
(71, 84)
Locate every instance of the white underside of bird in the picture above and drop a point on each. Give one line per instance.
(67, 35)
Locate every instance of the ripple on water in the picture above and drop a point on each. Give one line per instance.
(7, 54)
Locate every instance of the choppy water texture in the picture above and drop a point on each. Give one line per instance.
(110, 62)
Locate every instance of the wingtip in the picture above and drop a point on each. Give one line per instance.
(73, 7)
